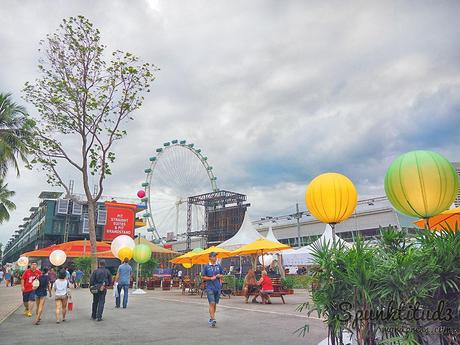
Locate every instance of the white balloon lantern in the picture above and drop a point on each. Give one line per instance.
(58, 257)
(120, 242)
(267, 259)
(23, 261)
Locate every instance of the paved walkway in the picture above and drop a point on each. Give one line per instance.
(10, 300)
(166, 317)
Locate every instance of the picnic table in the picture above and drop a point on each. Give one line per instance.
(190, 286)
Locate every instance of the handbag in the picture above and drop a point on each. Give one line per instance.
(35, 284)
(94, 289)
(70, 304)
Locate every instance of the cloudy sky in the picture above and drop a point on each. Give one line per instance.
(274, 92)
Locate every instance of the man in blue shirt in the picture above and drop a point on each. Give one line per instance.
(78, 278)
(212, 275)
(123, 278)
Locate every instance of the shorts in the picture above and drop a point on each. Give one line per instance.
(61, 297)
(40, 293)
(28, 296)
(266, 291)
(213, 296)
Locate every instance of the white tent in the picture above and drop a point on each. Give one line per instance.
(245, 235)
(270, 236)
(326, 237)
(302, 256)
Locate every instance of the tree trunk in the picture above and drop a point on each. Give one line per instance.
(92, 232)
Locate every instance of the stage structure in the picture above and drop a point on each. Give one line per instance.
(224, 214)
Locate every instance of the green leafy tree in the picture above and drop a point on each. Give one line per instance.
(6, 205)
(84, 101)
(147, 268)
(84, 264)
(14, 134)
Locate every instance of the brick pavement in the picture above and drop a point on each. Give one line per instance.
(10, 300)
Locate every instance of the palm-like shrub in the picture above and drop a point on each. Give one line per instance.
(358, 287)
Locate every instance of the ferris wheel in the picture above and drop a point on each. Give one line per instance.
(177, 170)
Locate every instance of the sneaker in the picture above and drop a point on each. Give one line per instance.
(213, 323)
(29, 314)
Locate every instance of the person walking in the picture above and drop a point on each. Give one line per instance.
(2, 275)
(78, 278)
(123, 279)
(73, 279)
(8, 278)
(61, 295)
(40, 295)
(212, 274)
(100, 279)
(27, 286)
(52, 276)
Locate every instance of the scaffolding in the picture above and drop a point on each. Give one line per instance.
(224, 214)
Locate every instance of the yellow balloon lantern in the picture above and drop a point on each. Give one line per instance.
(187, 265)
(125, 252)
(331, 198)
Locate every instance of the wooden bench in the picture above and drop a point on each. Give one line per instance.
(278, 290)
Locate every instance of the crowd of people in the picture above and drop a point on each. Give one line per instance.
(37, 284)
(8, 277)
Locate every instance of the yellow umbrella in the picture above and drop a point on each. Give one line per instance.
(447, 219)
(260, 246)
(185, 258)
(201, 257)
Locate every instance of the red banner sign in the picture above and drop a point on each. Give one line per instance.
(119, 220)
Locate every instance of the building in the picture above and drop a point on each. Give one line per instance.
(457, 168)
(370, 215)
(55, 220)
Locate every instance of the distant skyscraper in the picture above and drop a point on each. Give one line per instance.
(457, 199)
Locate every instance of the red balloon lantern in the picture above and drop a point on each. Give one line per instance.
(141, 193)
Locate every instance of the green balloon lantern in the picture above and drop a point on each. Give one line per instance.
(142, 253)
(421, 184)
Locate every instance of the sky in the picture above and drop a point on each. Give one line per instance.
(273, 92)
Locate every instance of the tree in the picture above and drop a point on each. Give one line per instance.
(84, 102)
(148, 267)
(84, 264)
(14, 134)
(6, 205)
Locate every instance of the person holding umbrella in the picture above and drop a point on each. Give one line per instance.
(212, 274)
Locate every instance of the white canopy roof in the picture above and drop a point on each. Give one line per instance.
(326, 237)
(245, 235)
(271, 236)
(302, 256)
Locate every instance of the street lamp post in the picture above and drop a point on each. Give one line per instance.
(298, 215)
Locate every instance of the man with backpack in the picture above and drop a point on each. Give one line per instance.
(99, 281)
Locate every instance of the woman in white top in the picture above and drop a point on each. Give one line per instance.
(61, 291)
